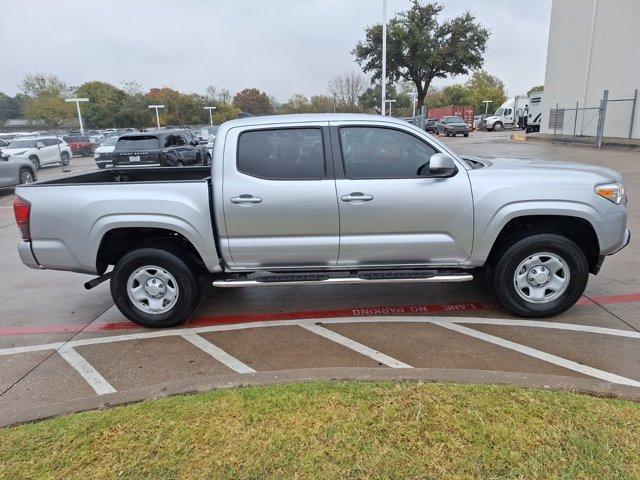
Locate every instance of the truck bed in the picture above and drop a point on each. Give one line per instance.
(133, 175)
(71, 215)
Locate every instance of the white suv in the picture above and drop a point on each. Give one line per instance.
(39, 150)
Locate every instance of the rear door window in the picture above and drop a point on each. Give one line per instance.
(134, 144)
(282, 154)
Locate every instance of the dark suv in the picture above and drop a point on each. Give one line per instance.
(452, 125)
(165, 148)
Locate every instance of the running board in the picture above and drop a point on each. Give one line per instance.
(323, 279)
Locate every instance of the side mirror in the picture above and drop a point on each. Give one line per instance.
(440, 165)
(39, 145)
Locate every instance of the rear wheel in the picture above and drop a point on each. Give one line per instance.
(25, 176)
(208, 159)
(36, 161)
(540, 275)
(64, 157)
(154, 288)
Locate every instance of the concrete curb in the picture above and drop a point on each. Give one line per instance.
(190, 386)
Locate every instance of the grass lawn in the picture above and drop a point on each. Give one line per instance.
(337, 430)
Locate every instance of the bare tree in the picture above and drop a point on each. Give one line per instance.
(346, 90)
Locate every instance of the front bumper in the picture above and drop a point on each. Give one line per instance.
(625, 242)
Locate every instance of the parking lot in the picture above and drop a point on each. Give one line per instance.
(64, 349)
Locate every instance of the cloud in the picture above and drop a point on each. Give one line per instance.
(279, 46)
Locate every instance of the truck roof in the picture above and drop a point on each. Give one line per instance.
(309, 117)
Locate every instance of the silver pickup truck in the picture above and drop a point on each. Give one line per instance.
(327, 199)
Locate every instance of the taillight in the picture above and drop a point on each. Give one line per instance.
(22, 212)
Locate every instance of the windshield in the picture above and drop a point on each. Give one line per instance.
(110, 142)
(499, 112)
(22, 144)
(454, 120)
(133, 144)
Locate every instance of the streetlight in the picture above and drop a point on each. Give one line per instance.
(156, 107)
(383, 93)
(414, 98)
(77, 102)
(390, 102)
(210, 115)
(486, 105)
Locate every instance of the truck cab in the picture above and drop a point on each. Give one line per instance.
(511, 114)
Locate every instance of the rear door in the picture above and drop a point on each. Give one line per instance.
(390, 215)
(280, 207)
(49, 154)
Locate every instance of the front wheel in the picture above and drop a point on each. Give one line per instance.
(497, 126)
(36, 162)
(154, 288)
(540, 275)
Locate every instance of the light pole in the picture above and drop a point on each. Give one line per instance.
(156, 107)
(210, 115)
(390, 102)
(77, 102)
(414, 98)
(486, 105)
(383, 93)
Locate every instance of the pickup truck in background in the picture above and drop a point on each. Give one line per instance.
(327, 199)
(165, 148)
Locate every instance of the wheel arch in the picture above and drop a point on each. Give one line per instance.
(576, 228)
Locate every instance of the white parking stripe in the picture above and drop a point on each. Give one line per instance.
(356, 346)
(217, 353)
(547, 357)
(86, 370)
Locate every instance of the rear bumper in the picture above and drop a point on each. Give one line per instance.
(26, 255)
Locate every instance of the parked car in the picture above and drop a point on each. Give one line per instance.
(161, 148)
(327, 199)
(430, 126)
(16, 171)
(39, 150)
(103, 153)
(453, 125)
(80, 144)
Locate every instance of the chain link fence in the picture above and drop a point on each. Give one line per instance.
(613, 116)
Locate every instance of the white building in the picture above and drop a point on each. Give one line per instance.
(594, 45)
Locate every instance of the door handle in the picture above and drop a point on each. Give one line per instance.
(245, 199)
(357, 197)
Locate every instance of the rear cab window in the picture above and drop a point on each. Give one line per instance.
(133, 144)
(282, 154)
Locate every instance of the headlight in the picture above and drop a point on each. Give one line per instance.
(613, 192)
(96, 156)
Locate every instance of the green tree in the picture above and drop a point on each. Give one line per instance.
(45, 98)
(484, 86)
(104, 104)
(10, 107)
(298, 103)
(420, 48)
(253, 101)
(134, 111)
(456, 94)
(537, 88)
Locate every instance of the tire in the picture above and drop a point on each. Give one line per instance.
(523, 260)
(180, 163)
(101, 166)
(208, 159)
(466, 134)
(25, 175)
(171, 271)
(64, 159)
(497, 126)
(36, 161)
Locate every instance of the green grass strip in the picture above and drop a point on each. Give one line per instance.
(337, 430)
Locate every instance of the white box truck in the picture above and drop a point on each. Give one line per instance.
(534, 116)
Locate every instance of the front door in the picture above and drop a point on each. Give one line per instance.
(391, 215)
(280, 207)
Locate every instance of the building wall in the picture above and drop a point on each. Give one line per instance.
(614, 65)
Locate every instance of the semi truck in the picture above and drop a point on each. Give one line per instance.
(511, 114)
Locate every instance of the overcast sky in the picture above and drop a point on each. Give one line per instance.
(279, 46)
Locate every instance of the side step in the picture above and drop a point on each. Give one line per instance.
(410, 276)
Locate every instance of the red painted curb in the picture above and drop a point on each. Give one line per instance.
(313, 314)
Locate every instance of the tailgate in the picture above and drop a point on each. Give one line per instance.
(137, 158)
